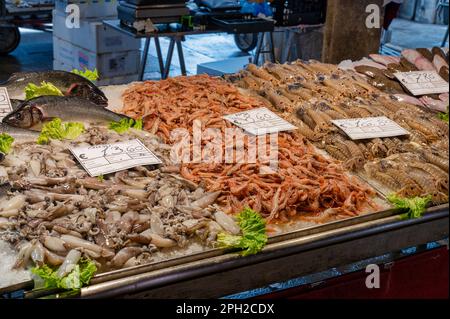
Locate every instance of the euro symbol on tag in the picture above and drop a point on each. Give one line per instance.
(83, 156)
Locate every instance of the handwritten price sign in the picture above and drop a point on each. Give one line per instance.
(5, 103)
(370, 127)
(260, 121)
(423, 82)
(109, 158)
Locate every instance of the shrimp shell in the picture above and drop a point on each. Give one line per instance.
(318, 119)
(425, 183)
(262, 74)
(335, 152)
(429, 133)
(436, 160)
(280, 102)
(386, 180)
(431, 169)
(401, 177)
(334, 114)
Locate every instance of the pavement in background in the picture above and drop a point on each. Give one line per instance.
(35, 51)
(410, 34)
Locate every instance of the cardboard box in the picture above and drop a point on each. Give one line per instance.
(93, 36)
(108, 64)
(117, 80)
(90, 8)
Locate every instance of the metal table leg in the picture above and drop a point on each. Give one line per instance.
(258, 47)
(271, 47)
(159, 54)
(169, 58)
(144, 59)
(445, 38)
(287, 46)
(181, 56)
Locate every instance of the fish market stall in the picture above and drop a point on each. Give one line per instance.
(159, 195)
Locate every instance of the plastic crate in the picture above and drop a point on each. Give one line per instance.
(296, 12)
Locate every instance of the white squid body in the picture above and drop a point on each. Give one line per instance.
(11, 207)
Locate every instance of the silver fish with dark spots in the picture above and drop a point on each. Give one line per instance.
(34, 113)
(69, 83)
(20, 135)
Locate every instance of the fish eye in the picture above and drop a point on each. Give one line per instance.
(19, 116)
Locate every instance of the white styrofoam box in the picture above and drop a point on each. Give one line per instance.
(93, 36)
(117, 80)
(108, 64)
(90, 8)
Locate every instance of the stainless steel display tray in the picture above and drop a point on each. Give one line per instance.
(216, 273)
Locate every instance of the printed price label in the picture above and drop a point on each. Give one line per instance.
(109, 158)
(5, 103)
(260, 121)
(370, 127)
(423, 82)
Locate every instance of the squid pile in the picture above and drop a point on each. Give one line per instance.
(306, 186)
(53, 212)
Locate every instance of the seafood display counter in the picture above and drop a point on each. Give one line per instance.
(119, 192)
(214, 274)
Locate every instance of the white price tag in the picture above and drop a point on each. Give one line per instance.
(370, 127)
(109, 158)
(260, 121)
(5, 103)
(423, 82)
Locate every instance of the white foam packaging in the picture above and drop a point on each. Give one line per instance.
(90, 8)
(93, 35)
(109, 65)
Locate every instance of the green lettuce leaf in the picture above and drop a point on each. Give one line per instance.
(88, 74)
(33, 91)
(413, 207)
(125, 124)
(59, 131)
(253, 238)
(5, 143)
(444, 116)
(80, 276)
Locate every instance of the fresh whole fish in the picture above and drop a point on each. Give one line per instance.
(384, 59)
(435, 105)
(408, 99)
(444, 97)
(426, 53)
(438, 51)
(69, 83)
(418, 60)
(19, 134)
(33, 113)
(439, 62)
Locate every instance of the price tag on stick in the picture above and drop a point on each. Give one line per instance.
(109, 158)
(5, 103)
(260, 121)
(423, 82)
(370, 127)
